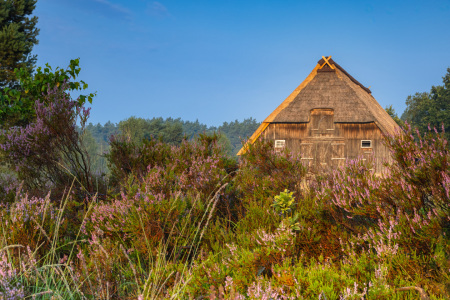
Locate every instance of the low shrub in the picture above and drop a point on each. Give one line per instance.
(185, 222)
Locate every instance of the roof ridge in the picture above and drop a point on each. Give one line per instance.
(321, 61)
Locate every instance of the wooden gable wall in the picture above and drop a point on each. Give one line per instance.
(324, 144)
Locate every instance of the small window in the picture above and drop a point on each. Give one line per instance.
(366, 144)
(279, 143)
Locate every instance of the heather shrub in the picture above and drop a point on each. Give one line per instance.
(400, 217)
(263, 174)
(177, 179)
(177, 182)
(127, 157)
(35, 249)
(290, 278)
(29, 221)
(10, 287)
(47, 153)
(423, 164)
(186, 223)
(164, 209)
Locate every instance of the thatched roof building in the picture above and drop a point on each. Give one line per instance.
(328, 118)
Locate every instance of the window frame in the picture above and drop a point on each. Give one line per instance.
(366, 147)
(279, 147)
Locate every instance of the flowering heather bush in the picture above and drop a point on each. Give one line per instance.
(9, 287)
(410, 197)
(404, 211)
(182, 223)
(259, 253)
(28, 221)
(47, 153)
(424, 166)
(263, 175)
(263, 171)
(178, 179)
(127, 158)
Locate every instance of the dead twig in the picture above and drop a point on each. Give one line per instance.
(422, 293)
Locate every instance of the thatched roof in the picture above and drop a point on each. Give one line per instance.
(329, 86)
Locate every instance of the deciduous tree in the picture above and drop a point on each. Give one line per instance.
(430, 108)
(391, 111)
(17, 104)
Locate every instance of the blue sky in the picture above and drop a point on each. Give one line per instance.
(221, 60)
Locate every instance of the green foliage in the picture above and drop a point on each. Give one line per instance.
(430, 108)
(102, 133)
(186, 223)
(283, 202)
(238, 131)
(391, 111)
(95, 151)
(99, 145)
(127, 158)
(18, 34)
(44, 79)
(136, 130)
(17, 105)
(193, 129)
(225, 144)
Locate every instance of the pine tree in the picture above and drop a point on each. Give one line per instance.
(18, 34)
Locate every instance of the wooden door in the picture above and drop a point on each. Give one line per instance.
(367, 155)
(337, 154)
(306, 154)
(322, 155)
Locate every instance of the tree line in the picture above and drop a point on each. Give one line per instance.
(172, 131)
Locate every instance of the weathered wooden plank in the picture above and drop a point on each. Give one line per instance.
(332, 143)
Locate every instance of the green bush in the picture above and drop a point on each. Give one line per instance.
(185, 222)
